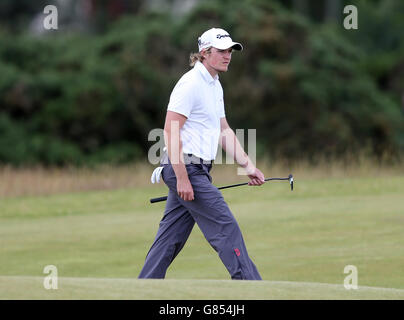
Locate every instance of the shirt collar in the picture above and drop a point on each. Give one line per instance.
(205, 73)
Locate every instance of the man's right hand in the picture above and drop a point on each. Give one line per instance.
(184, 189)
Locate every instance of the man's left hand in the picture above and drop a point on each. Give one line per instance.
(257, 177)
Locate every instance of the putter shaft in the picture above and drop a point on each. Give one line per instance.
(290, 178)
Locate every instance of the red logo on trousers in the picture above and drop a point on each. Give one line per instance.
(237, 251)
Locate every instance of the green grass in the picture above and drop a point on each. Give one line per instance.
(170, 289)
(300, 241)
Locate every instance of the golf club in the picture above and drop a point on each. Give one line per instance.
(289, 178)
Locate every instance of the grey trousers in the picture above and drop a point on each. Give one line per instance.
(213, 217)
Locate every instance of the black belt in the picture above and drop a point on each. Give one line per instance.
(188, 159)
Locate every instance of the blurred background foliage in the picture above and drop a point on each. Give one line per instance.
(91, 91)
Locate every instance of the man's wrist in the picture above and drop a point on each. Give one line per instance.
(249, 167)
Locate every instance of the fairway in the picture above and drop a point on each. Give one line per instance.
(300, 241)
(169, 289)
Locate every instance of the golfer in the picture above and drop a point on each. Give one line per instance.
(195, 124)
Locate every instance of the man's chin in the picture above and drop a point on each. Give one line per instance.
(223, 69)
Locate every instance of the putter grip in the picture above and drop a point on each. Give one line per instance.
(158, 199)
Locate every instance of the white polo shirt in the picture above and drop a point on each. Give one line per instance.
(199, 97)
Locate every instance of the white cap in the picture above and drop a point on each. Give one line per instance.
(217, 38)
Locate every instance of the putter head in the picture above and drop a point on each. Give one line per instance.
(291, 182)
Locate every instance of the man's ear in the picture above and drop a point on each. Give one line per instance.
(205, 53)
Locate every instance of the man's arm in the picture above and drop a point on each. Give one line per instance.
(173, 124)
(231, 145)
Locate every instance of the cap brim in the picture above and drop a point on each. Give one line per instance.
(235, 45)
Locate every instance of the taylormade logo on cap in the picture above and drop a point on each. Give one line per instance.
(217, 38)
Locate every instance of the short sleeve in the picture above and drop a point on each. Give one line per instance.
(222, 113)
(182, 98)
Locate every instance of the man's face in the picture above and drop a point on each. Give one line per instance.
(218, 60)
